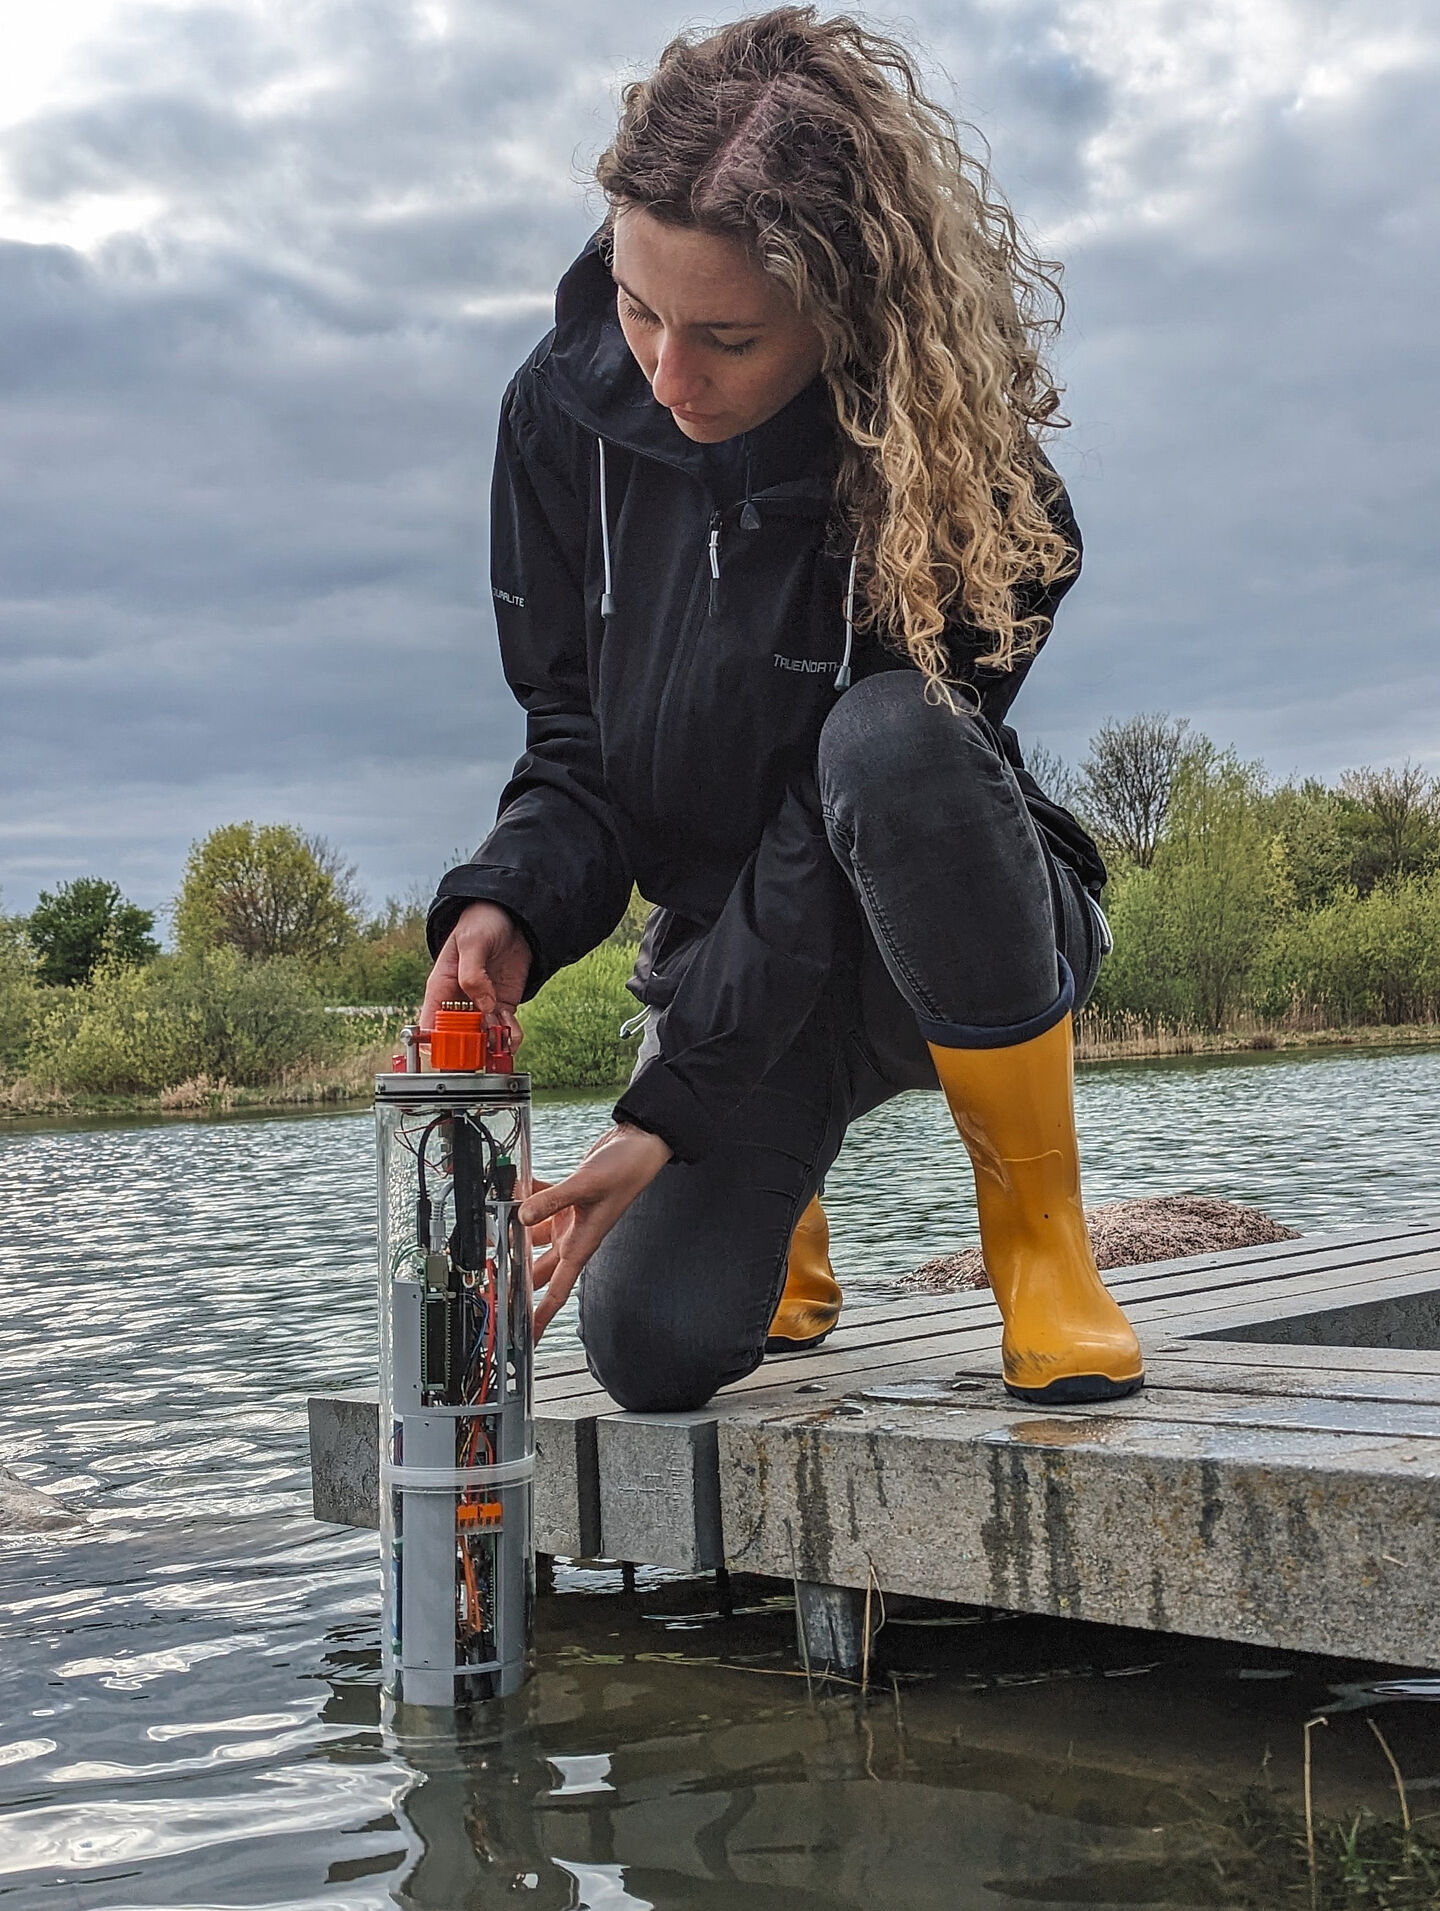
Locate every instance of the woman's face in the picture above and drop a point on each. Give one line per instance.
(720, 342)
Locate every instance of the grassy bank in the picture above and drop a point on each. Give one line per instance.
(347, 1082)
(1114, 1038)
(197, 1036)
(1247, 915)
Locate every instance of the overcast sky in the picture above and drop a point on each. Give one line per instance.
(265, 266)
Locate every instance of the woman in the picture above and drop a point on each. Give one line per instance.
(773, 548)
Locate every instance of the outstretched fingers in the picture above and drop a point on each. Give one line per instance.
(556, 1270)
(572, 1217)
(559, 1286)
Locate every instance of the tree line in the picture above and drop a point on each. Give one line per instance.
(270, 930)
(267, 891)
(1231, 895)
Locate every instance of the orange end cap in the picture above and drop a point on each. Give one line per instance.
(457, 1042)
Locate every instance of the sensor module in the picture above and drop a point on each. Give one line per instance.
(456, 1426)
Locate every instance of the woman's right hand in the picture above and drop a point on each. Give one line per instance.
(484, 960)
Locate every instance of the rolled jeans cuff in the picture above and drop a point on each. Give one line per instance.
(971, 1035)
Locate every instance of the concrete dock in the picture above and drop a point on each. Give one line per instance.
(1277, 1482)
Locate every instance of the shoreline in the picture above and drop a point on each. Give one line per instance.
(350, 1085)
(1105, 1044)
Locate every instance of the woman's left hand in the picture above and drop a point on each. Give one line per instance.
(572, 1217)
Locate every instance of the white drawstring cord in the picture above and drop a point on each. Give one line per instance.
(842, 675)
(607, 599)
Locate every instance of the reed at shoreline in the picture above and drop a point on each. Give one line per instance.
(1126, 1037)
(349, 1083)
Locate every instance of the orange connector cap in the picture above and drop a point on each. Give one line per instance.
(457, 1044)
(478, 1513)
(462, 1044)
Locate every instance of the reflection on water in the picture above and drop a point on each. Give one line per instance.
(991, 1761)
(188, 1703)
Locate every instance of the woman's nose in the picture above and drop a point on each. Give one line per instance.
(678, 379)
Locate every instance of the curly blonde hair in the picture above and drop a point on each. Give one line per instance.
(812, 141)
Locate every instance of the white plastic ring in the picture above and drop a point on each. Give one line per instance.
(445, 1479)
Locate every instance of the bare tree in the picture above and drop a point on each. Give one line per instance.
(1125, 782)
(1054, 775)
(1401, 817)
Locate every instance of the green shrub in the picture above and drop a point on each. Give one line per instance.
(1189, 930)
(1373, 958)
(387, 963)
(1138, 977)
(357, 1034)
(1313, 855)
(136, 1031)
(572, 1027)
(19, 997)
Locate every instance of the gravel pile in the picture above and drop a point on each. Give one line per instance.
(1127, 1233)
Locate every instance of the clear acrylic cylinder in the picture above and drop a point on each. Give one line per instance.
(456, 1412)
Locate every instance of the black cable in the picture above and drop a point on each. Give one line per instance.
(422, 1204)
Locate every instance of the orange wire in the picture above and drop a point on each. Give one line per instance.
(477, 1427)
(472, 1589)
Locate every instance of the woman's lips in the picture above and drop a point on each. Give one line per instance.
(694, 417)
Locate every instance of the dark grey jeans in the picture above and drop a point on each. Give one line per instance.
(976, 936)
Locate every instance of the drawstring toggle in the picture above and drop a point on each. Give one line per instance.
(842, 675)
(607, 596)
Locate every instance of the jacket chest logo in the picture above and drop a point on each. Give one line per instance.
(807, 666)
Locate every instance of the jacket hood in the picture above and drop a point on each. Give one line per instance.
(592, 375)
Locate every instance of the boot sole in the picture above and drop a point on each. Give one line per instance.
(777, 1346)
(1076, 1390)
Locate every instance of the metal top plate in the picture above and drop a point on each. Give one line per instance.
(452, 1087)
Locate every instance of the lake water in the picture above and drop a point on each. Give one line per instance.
(189, 1707)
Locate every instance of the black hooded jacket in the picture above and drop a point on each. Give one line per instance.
(672, 742)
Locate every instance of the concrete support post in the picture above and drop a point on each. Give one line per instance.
(830, 1627)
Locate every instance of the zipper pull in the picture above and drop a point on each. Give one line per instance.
(714, 563)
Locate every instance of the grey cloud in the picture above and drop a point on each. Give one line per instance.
(242, 489)
(242, 540)
(1031, 101)
(1251, 456)
(132, 140)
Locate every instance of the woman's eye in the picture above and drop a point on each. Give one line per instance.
(639, 315)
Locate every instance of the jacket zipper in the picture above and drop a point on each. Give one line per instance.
(687, 637)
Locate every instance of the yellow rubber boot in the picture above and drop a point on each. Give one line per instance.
(810, 1301)
(1066, 1340)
